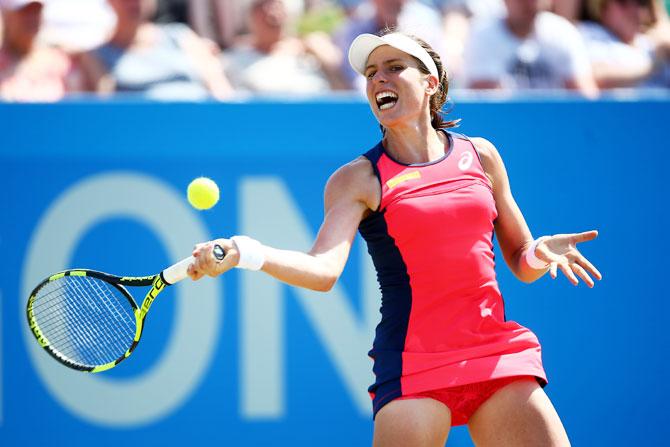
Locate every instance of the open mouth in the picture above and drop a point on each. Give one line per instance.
(386, 100)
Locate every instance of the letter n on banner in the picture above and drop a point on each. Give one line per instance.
(268, 212)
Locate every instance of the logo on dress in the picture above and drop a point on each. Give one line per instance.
(398, 179)
(466, 161)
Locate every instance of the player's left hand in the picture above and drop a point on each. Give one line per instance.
(560, 251)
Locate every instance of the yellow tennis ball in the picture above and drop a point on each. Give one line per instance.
(202, 193)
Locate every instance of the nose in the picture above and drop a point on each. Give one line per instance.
(379, 77)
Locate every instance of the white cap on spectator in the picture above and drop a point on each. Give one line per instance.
(364, 44)
(16, 4)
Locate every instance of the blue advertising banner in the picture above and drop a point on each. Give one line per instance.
(245, 360)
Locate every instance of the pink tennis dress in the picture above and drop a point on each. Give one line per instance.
(442, 317)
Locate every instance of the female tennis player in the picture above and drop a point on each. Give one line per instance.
(427, 202)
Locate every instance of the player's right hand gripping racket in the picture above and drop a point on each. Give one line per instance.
(88, 321)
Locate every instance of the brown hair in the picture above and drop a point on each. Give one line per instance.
(440, 97)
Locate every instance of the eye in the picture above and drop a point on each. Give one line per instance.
(397, 68)
(370, 74)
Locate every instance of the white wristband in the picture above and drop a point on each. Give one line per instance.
(251, 253)
(531, 259)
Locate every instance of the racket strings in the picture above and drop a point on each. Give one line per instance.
(85, 319)
(61, 340)
(82, 340)
(90, 332)
(46, 306)
(105, 294)
(86, 335)
(95, 307)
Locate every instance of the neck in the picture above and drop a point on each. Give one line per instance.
(520, 28)
(15, 51)
(266, 43)
(15, 48)
(124, 35)
(415, 143)
(621, 34)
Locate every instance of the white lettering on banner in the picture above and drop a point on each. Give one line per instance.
(189, 346)
(262, 346)
(269, 214)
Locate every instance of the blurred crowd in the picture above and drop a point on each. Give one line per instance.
(226, 49)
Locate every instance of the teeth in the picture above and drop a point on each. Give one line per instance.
(382, 95)
(386, 100)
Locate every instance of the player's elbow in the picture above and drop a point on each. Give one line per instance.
(518, 267)
(522, 273)
(527, 275)
(325, 283)
(322, 281)
(526, 279)
(326, 273)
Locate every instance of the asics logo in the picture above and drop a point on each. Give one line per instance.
(466, 161)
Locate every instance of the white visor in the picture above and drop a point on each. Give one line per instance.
(364, 44)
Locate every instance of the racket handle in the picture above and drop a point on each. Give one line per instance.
(178, 271)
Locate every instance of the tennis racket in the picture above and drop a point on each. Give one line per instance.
(88, 321)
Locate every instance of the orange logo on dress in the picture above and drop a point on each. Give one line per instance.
(398, 179)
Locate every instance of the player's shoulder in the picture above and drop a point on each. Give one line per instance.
(489, 156)
(485, 148)
(354, 181)
(356, 171)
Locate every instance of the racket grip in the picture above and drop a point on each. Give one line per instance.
(177, 272)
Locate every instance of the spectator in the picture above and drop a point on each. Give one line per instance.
(173, 11)
(373, 16)
(268, 60)
(162, 61)
(30, 71)
(661, 9)
(528, 49)
(76, 26)
(215, 20)
(621, 54)
(349, 6)
(457, 16)
(473, 8)
(570, 9)
(320, 15)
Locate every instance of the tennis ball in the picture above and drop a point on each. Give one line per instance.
(202, 193)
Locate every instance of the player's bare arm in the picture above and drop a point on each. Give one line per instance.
(349, 194)
(558, 251)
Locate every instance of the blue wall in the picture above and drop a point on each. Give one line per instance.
(102, 185)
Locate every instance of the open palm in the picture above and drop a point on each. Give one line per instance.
(560, 251)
